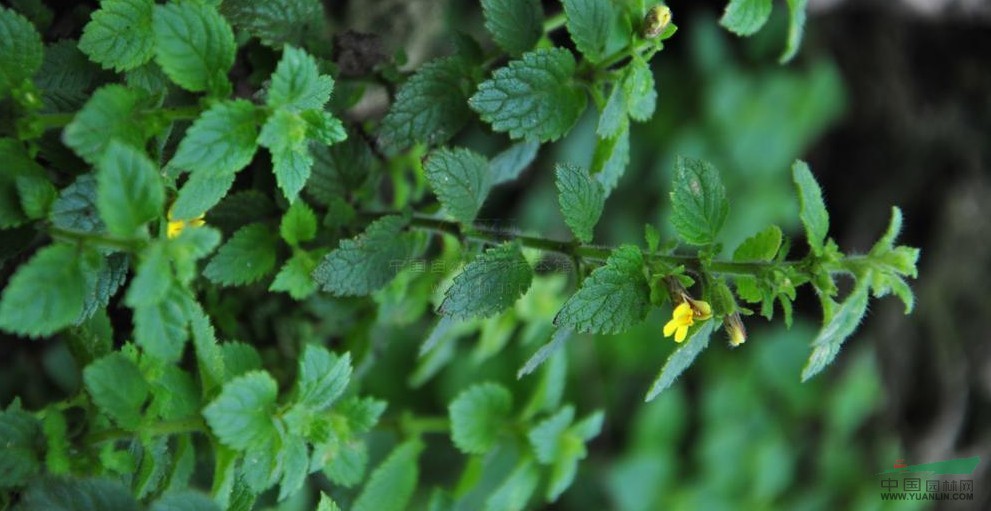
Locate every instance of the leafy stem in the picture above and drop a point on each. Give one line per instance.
(193, 424)
(61, 119)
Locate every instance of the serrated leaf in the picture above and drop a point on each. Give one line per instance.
(21, 51)
(278, 22)
(241, 416)
(589, 23)
(297, 83)
(515, 25)
(391, 485)
(837, 329)
(199, 193)
(246, 257)
(55, 429)
(22, 177)
(581, 199)
(681, 359)
(327, 504)
(561, 335)
(638, 88)
(509, 164)
(535, 97)
(323, 127)
(20, 442)
(611, 158)
(812, 208)
(160, 327)
(347, 466)
(478, 416)
(119, 35)
(514, 493)
(194, 45)
(489, 284)
(612, 299)
(615, 114)
(431, 107)
(48, 292)
(545, 436)
(129, 189)
(461, 179)
(295, 466)
(66, 77)
(745, 17)
(75, 207)
(762, 246)
(36, 194)
(796, 27)
(323, 376)
(222, 141)
(284, 134)
(368, 262)
(698, 201)
(299, 224)
(112, 113)
(296, 276)
(118, 389)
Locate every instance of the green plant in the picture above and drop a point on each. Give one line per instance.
(135, 193)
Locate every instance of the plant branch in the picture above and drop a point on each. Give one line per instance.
(179, 113)
(193, 424)
(96, 239)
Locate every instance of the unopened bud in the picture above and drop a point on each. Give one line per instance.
(655, 21)
(735, 329)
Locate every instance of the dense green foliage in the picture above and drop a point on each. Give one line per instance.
(225, 270)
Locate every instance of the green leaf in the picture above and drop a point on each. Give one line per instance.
(545, 436)
(638, 87)
(296, 276)
(129, 189)
(515, 25)
(186, 500)
(322, 378)
(837, 329)
(75, 207)
(118, 389)
(199, 193)
(297, 83)
(762, 246)
(36, 194)
(65, 494)
(368, 262)
(246, 257)
(535, 97)
(327, 504)
(222, 141)
(796, 27)
(461, 179)
(478, 417)
(119, 35)
(113, 112)
(284, 134)
(682, 357)
(21, 175)
(612, 299)
(698, 201)
(295, 462)
(21, 51)
(299, 224)
(278, 22)
(241, 416)
(431, 107)
(589, 23)
(152, 279)
(392, 483)
(615, 115)
(509, 164)
(323, 127)
(347, 466)
(48, 292)
(160, 327)
(812, 208)
(581, 198)
(194, 45)
(514, 493)
(56, 444)
(489, 284)
(745, 17)
(611, 158)
(20, 442)
(561, 335)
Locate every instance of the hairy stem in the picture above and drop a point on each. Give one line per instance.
(193, 424)
(179, 113)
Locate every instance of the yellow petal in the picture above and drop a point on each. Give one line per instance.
(670, 327)
(175, 228)
(683, 310)
(680, 335)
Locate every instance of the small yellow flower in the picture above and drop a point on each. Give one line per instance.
(685, 315)
(176, 226)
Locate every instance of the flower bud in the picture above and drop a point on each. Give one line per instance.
(735, 329)
(655, 21)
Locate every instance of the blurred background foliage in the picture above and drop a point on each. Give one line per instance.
(887, 105)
